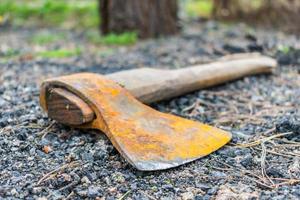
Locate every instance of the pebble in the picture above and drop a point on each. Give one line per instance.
(86, 156)
(255, 47)
(212, 191)
(85, 180)
(247, 161)
(274, 172)
(94, 191)
(203, 186)
(187, 196)
(118, 177)
(218, 174)
(234, 48)
(287, 124)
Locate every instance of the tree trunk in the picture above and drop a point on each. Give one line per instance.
(149, 18)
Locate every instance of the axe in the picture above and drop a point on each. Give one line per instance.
(115, 104)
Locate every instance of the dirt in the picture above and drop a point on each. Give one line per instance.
(40, 158)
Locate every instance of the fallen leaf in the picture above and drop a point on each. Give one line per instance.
(47, 149)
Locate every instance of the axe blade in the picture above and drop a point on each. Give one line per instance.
(146, 138)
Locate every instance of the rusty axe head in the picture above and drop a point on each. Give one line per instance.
(146, 138)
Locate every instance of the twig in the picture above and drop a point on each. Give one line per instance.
(70, 195)
(149, 196)
(260, 183)
(245, 172)
(124, 195)
(275, 153)
(188, 108)
(289, 182)
(32, 125)
(57, 170)
(292, 154)
(263, 163)
(2, 130)
(286, 179)
(257, 142)
(221, 169)
(69, 185)
(45, 131)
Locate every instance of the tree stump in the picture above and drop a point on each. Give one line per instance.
(149, 18)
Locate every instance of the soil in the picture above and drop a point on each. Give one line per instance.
(42, 159)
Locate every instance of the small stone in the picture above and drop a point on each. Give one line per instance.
(288, 124)
(168, 187)
(242, 152)
(85, 180)
(2, 102)
(107, 180)
(86, 156)
(101, 155)
(37, 190)
(14, 192)
(247, 161)
(167, 198)
(112, 190)
(234, 48)
(22, 136)
(251, 37)
(255, 47)
(82, 193)
(66, 177)
(56, 195)
(92, 176)
(203, 186)
(118, 177)
(183, 101)
(94, 191)
(139, 197)
(40, 153)
(42, 198)
(187, 196)
(44, 142)
(218, 174)
(212, 191)
(30, 138)
(296, 191)
(274, 172)
(134, 186)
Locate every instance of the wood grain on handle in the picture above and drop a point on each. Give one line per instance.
(152, 85)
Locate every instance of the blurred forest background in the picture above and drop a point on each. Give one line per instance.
(85, 14)
(120, 25)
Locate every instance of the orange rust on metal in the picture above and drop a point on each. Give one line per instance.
(148, 139)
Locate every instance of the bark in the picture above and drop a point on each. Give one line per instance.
(149, 18)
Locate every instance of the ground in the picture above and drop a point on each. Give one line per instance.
(40, 158)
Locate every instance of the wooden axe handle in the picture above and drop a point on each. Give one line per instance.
(151, 85)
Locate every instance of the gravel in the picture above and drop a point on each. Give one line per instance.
(42, 159)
